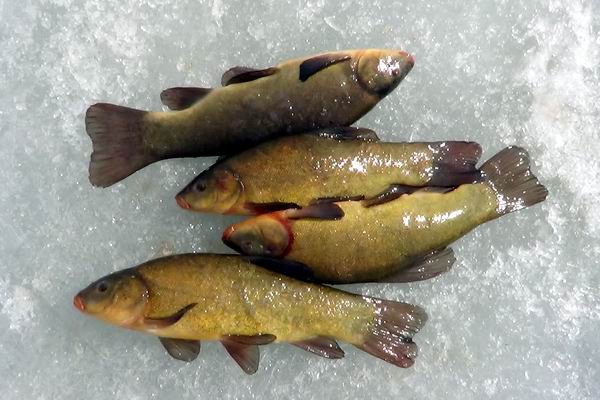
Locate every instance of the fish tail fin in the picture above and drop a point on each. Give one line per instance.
(454, 163)
(117, 140)
(390, 335)
(508, 173)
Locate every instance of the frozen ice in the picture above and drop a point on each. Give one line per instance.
(517, 318)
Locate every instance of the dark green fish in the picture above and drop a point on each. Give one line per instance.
(332, 89)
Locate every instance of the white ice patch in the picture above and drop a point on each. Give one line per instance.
(17, 305)
(565, 113)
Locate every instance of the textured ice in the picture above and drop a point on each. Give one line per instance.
(517, 318)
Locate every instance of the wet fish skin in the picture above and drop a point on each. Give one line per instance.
(298, 170)
(229, 119)
(371, 243)
(212, 296)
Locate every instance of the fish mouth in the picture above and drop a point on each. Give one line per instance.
(182, 202)
(228, 242)
(78, 303)
(409, 60)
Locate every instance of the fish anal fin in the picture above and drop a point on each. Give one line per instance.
(245, 74)
(454, 163)
(180, 98)
(322, 346)
(181, 349)
(259, 340)
(246, 356)
(323, 210)
(311, 66)
(164, 322)
(347, 133)
(425, 267)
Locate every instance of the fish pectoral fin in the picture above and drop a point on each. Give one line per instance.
(425, 267)
(322, 346)
(245, 74)
(179, 98)
(315, 64)
(389, 194)
(289, 268)
(164, 322)
(347, 133)
(258, 340)
(246, 355)
(262, 208)
(181, 349)
(326, 211)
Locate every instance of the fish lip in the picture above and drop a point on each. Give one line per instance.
(181, 202)
(409, 59)
(225, 238)
(78, 303)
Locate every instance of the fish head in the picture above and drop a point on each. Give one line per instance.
(265, 235)
(216, 190)
(119, 298)
(380, 71)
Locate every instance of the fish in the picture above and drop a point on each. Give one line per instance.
(403, 240)
(188, 298)
(252, 105)
(326, 165)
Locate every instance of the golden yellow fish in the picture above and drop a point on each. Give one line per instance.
(326, 165)
(401, 240)
(192, 297)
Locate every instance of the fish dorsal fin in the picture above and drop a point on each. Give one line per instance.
(322, 346)
(315, 64)
(245, 74)
(246, 355)
(164, 322)
(347, 133)
(426, 267)
(179, 98)
(289, 268)
(327, 211)
(181, 349)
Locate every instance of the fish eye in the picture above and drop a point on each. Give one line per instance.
(201, 186)
(102, 287)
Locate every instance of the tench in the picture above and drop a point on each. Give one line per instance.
(326, 165)
(401, 240)
(331, 89)
(187, 298)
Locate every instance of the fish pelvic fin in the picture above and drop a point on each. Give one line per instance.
(509, 174)
(117, 140)
(390, 335)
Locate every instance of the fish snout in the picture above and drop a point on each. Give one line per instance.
(226, 238)
(182, 202)
(78, 303)
(409, 59)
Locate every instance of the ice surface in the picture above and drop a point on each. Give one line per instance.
(517, 318)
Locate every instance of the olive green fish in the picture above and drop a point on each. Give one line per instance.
(402, 240)
(327, 165)
(332, 89)
(192, 297)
